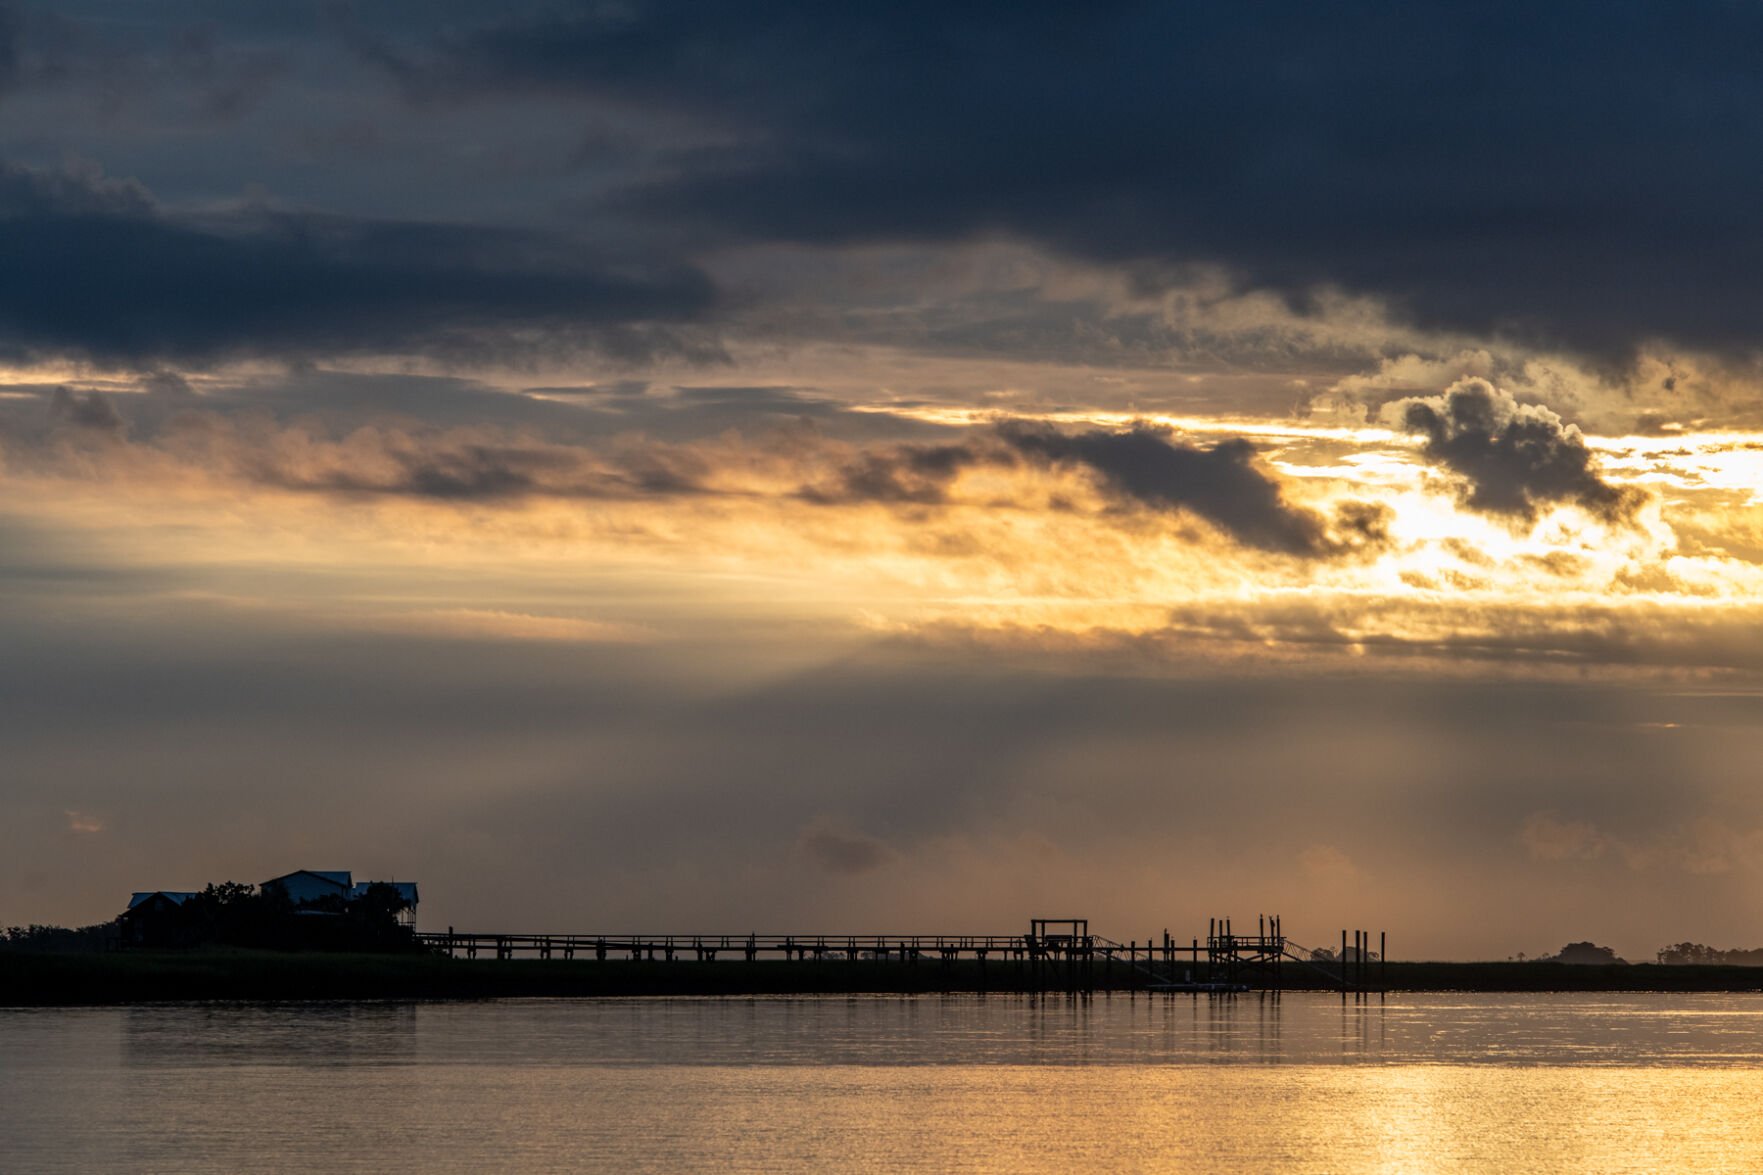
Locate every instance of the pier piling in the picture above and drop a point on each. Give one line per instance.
(1056, 954)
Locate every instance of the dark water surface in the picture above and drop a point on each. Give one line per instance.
(1300, 1082)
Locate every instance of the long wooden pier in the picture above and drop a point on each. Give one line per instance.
(707, 948)
(1223, 960)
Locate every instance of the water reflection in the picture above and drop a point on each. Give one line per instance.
(1057, 1029)
(338, 1034)
(1296, 1082)
(1117, 1029)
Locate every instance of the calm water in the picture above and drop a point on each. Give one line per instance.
(1293, 1083)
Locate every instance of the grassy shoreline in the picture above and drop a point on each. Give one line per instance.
(46, 979)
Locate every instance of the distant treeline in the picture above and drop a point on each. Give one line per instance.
(1695, 952)
(36, 937)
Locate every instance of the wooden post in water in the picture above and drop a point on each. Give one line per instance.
(1383, 959)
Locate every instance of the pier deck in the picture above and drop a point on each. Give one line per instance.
(1064, 947)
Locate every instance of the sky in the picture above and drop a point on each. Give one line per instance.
(889, 468)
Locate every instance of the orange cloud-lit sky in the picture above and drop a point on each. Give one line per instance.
(802, 472)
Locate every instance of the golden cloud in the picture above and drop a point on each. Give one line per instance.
(1176, 539)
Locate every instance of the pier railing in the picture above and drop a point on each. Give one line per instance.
(708, 947)
(1223, 959)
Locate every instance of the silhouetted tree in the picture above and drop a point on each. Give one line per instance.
(1585, 953)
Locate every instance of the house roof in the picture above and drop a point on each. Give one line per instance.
(341, 878)
(176, 897)
(406, 889)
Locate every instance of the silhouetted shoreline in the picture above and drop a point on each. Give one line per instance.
(43, 979)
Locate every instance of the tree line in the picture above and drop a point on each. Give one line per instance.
(1695, 952)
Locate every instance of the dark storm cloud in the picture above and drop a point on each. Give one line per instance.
(93, 268)
(1223, 484)
(1578, 172)
(1515, 458)
(1140, 468)
(9, 62)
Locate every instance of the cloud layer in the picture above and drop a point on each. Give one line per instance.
(1222, 484)
(440, 178)
(96, 269)
(1139, 469)
(1377, 148)
(1514, 458)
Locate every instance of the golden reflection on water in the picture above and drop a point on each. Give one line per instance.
(1303, 1118)
(1618, 1082)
